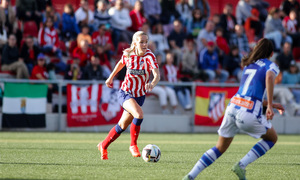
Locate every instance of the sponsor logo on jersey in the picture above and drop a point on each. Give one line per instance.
(137, 71)
(242, 102)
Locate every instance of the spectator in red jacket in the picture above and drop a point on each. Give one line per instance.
(137, 17)
(49, 42)
(222, 42)
(104, 61)
(102, 38)
(291, 25)
(39, 71)
(83, 52)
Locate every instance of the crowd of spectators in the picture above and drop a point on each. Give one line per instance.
(85, 44)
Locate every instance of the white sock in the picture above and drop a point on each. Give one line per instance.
(207, 159)
(259, 149)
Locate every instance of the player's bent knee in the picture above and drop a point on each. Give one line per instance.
(139, 115)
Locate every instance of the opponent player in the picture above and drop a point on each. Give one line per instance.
(244, 112)
(139, 61)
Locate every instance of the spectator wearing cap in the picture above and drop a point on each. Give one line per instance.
(292, 76)
(39, 71)
(11, 60)
(285, 57)
(29, 53)
(209, 62)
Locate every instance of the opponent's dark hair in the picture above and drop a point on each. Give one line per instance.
(263, 49)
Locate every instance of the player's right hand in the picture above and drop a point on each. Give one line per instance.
(109, 82)
(269, 113)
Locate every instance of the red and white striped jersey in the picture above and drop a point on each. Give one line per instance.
(138, 72)
(171, 73)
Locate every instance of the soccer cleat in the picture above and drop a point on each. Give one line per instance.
(187, 177)
(241, 173)
(135, 151)
(103, 152)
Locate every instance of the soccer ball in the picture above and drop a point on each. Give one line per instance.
(151, 153)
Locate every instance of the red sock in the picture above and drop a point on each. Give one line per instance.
(111, 137)
(134, 133)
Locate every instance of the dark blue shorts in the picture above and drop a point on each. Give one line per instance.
(123, 96)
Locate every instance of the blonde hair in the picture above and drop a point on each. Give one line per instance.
(135, 38)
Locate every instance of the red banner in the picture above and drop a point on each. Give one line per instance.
(93, 105)
(211, 103)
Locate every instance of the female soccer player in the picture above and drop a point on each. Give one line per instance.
(244, 112)
(140, 61)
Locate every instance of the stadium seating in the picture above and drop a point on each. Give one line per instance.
(30, 28)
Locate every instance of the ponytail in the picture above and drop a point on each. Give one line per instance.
(135, 37)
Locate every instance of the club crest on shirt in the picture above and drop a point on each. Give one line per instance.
(141, 62)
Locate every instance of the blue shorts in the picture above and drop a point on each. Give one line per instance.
(123, 96)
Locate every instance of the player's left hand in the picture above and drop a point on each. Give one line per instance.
(279, 107)
(149, 87)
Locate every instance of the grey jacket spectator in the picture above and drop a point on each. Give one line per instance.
(151, 8)
(243, 11)
(205, 35)
(273, 25)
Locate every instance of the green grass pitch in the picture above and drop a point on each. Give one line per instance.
(75, 156)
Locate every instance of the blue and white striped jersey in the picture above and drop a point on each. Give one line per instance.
(253, 82)
(252, 87)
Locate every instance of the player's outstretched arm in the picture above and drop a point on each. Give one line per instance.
(270, 83)
(118, 67)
